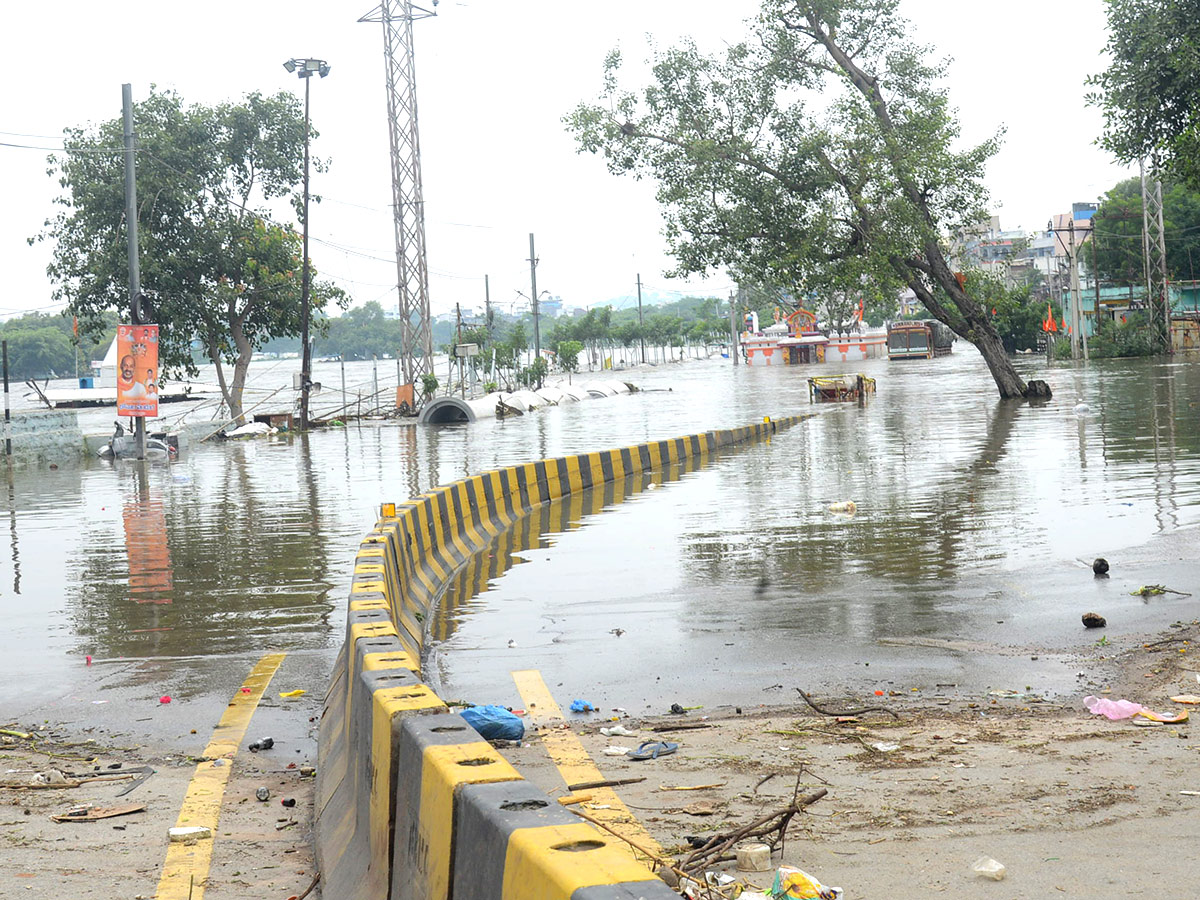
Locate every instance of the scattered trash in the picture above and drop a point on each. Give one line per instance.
(289, 802)
(617, 731)
(607, 782)
(574, 798)
(1159, 717)
(617, 631)
(753, 858)
(1112, 709)
(307, 771)
(989, 868)
(263, 744)
(1100, 566)
(617, 751)
(678, 710)
(701, 808)
(1148, 590)
(693, 787)
(582, 706)
(849, 507)
(494, 723)
(189, 834)
(165, 698)
(89, 660)
(653, 750)
(1190, 793)
(299, 692)
(883, 747)
(1190, 699)
(92, 813)
(1094, 620)
(262, 795)
(797, 884)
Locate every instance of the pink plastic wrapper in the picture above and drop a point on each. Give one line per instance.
(1112, 709)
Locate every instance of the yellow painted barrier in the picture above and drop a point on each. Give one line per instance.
(401, 781)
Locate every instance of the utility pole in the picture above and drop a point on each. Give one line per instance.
(733, 331)
(1095, 275)
(462, 380)
(641, 324)
(1154, 250)
(533, 301)
(135, 272)
(408, 205)
(1078, 335)
(487, 308)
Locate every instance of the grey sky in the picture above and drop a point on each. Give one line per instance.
(494, 81)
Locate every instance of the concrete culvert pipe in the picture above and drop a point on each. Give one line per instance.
(445, 410)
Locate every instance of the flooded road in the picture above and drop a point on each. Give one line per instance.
(972, 519)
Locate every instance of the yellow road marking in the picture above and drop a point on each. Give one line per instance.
(575, 765)
(185, 871)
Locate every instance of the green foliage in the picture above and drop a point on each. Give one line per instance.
(1016, 312)
(361, 333)
(429, 385)
(220, 270)
(534, 374)
(568, 355)
(821, 155)
(1148, 92)
(43, 346)
(1118, 231)
(1112, 339)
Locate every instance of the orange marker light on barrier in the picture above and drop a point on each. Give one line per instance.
(387, 511)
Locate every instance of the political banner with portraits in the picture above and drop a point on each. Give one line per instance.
(137, 370)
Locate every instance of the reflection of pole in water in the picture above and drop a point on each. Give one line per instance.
(12, 531)
(146, 548)
(1165, 509)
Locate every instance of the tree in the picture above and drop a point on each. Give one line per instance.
(568, 356)
(1148, 92)
(1117, 229)
(221, 271)
(857, 189)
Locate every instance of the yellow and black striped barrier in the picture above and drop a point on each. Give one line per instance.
(411, 802)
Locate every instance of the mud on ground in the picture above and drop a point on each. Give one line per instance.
(1072, 804)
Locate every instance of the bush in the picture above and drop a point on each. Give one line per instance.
(1114, 339)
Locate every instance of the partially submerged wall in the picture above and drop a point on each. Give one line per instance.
(411, 802)
(42, 434)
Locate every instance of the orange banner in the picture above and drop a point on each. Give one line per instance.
(137, 370)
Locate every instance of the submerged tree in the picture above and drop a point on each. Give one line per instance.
(221, 272)
(764, 170)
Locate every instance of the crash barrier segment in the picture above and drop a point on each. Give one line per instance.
(412, 804)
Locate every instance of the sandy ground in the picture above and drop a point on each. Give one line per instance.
(1073, 805)
(123, 857)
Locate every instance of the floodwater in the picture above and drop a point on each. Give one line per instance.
(718, 585)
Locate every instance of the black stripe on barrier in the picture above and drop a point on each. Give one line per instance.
(543, 481)
(485, 815)
(479, 513)
(489, 496)
(522, 476)
(606, 466)
(627, 460)
(563, 474)
(585, 471)
(644, 456)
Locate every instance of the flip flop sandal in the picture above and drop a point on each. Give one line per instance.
(652, 750)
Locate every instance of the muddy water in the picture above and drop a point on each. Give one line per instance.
(971, 518)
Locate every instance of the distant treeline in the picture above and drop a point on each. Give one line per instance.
(42, 345)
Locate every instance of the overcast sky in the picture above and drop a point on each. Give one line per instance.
(494, 81)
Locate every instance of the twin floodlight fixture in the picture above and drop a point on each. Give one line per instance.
(307, 67)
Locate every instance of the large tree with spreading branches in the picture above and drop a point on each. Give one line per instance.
(819, 153)
(220, 271)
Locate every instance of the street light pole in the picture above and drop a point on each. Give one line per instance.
(306, 68)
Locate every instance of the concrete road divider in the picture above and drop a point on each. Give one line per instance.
(411, 802)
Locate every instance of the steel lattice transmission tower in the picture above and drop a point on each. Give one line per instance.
(408, 205)
(1154, 249)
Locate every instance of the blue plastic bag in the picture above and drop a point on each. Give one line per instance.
(494, 723)
(582, 706)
